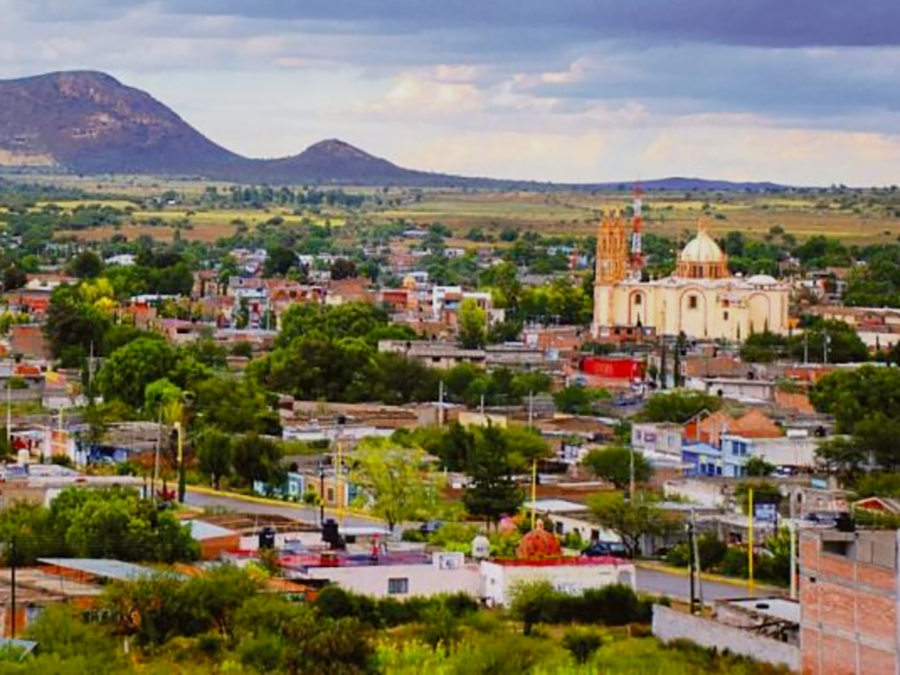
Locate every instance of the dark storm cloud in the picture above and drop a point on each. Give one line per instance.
(771, 23)
(768, 23)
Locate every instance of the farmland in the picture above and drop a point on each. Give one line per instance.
(855, 217)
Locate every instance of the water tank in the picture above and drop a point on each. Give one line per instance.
(267, 538)
(481, 547)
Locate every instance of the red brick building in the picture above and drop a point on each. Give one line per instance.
(848, 603)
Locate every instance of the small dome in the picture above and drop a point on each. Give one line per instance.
(539, 544)
(762, 280)
(702, 249)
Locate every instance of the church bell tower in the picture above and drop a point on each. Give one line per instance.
(612, 266)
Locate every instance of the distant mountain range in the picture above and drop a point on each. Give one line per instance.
(89, 123)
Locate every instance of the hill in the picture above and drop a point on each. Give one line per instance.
(90, 123)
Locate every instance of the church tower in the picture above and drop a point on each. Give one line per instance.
(612, 266)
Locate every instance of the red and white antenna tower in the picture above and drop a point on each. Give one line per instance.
(637, 247)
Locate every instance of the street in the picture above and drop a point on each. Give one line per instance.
(306, 514)
(655, 581)
(675, 585)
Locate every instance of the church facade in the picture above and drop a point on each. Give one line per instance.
(700, 299)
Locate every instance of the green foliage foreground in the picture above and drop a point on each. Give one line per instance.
(225, 622)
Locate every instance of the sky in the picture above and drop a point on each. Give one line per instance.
(805, 92)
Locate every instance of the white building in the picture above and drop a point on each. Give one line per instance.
(569, 575)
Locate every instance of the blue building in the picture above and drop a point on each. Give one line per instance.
(703, 459)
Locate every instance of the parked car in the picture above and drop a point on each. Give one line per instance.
(603, 549)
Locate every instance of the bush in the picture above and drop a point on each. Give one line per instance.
(414, 536)
(735, 563)
(582, 643)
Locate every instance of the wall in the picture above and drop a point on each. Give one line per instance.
(848, 604)
(499, 579)
(423, 580)
(669, 624)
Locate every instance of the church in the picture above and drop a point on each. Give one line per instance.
(700, 299)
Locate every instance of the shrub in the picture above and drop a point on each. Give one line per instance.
(582, 643)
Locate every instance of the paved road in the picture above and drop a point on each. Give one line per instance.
(306, 514)
(678, 586)
(653, 581)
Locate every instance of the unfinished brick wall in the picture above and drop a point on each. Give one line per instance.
(848, 609)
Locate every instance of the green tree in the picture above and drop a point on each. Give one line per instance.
(472, 325)
(72, 326)
(630, 521)
(757, 466)
(577, 399)
(86, 265)
(257, 459)
(679, 406)
(126, 374)
(492, 491)
(613, 464)
(397, 480)
(214, 452)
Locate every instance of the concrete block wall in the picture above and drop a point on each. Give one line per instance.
(670, 624)
(848, 622)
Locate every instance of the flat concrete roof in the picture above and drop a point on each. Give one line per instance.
(777, 608)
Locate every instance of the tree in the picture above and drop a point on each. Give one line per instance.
(72, 326)
(342, 268)
(577, 399)
(215, 454)
(492, 491)
(679, 406)
(757, 466)
(630, 521)
(396, 479)
(613, 464)
(257, 459)
(279, 260)
(86, 265)
(129, 370)
(472, 325)
(854, 394)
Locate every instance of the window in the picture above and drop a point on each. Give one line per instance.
(330, 498)
(692, 302)
(398, 586)
(637, 299)
(725, 316)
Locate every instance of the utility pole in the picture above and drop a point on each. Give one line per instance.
(631, 475)
(321, 492)
(825, 340)
(663, 365)
(697, 561)
(690, 532)
(792, 532)
(530, 409)
(750, 537)
(12, 570)
(805, 347)
(441, 403)
(182, 482)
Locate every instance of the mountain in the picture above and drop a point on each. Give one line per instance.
(90, 123)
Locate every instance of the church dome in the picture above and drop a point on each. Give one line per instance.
(702, 258)
(702, 249)
(762, 280)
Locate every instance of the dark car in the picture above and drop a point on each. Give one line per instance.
(603, 549)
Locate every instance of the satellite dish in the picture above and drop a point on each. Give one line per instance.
(481, 547)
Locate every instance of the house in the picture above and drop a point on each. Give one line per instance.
(787, 451)
(661, 437)
(569, 575)
(703, 459)
(398, 575)
(434, 354)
